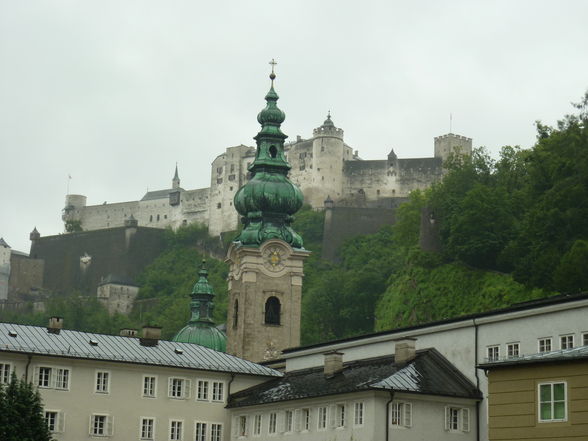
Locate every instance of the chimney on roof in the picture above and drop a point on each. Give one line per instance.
(55, 325)
(128, 332)
(404, 350)
(333, 363)
(151, 336)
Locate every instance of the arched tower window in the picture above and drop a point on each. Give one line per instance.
(273, 151)
(236, 313)
(272, 311)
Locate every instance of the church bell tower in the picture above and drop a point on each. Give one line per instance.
(267, 258)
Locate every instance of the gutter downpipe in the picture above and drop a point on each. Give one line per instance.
(387, 428)
(30, 357)
(477, 378)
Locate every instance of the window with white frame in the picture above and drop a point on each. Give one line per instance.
(566, 341)
(544, 344)
(101, 425)
(493, 353)
(257, 425)
(242, 426)
(305, 426)
(149, 386)
(176, 430)
(322, 418)
(216, 432)
(401, 414)
(584, 338)
(272, 427)
(340, 422)
(54, 420)
(513, 350)
(178, 388)
(147, 428)
(288, 421)
(552, 402)
(218, 391)
(457, 419)
(200, 431)
(358, 413)
(51, 377)
(102, 382)
(202, 390)
(5, 372)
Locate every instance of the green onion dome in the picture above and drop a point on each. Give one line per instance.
(268, 201)
(200, 329)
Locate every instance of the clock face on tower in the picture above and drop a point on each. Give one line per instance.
(273, 258)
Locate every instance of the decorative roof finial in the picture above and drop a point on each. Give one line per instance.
(273, 74)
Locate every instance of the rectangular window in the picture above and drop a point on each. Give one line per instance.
(257, 425)
(358, 414)
(401, 414)
(53, 420)
(457, 419)
(149, 387)
(566, 341)
(242, 425)
(218, 391)
(176, 429)
(289, 421)
(552, 402)
(512, 350)
(147, 428)
(272, 423)
(545, 344)
(322, 418)
(340, 415)
(102, 380)
(216, 432)
(202, 390)
(101, 425)
(493, 353)
(178, 388)
(62, 379)
(44, 379)
(585, 339)
(5, 373)
(200, 432)
(306, 419)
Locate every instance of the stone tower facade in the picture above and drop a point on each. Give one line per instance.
(267, 259)
(5, 252)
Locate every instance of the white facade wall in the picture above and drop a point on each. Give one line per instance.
(117, 298)
(427, 420)
(124, 403)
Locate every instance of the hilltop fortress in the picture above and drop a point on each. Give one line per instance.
(327, 170)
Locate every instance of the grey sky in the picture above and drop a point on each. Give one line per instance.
(114, 92)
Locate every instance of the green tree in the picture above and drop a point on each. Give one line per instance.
(21, 412)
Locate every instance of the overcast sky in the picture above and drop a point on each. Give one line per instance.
(114, 92)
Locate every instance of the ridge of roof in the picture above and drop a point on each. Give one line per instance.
(521, 306)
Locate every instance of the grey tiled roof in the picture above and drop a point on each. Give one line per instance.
(429, 373)
(3, 243)
(571, 354)
(159, 194)
(75, 344)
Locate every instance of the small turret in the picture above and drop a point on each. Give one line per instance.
(131, 222)
(176, 179)
(328, 129)
(34, 234)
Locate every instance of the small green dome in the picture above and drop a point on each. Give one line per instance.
(328, 122)
(271, 114)
(203, 335)
(200, 329)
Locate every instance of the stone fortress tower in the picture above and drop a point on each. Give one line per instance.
(267, 258)
(5, 253)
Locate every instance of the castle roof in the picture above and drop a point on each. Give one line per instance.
(3, 243)
(160, 194)
(117, 280)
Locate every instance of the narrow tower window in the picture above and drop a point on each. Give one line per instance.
(236, 314)
(272, 311)
(273, 151)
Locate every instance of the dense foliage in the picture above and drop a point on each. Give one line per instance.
(21, 412)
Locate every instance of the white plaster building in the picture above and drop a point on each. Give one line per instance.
(125, 388)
